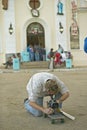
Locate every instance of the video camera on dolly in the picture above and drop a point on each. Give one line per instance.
(56, 115)
(52, 103)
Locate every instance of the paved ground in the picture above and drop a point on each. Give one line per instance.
(13, 115)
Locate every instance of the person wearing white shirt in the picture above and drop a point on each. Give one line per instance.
(63, 59)
(40, 85)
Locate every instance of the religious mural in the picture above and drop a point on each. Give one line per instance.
(74, 29)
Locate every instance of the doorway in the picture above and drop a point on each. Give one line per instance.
(35, 35)
(36, 40)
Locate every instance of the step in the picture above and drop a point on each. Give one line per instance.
(34, 64)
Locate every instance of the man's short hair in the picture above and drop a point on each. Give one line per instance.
(51, 85)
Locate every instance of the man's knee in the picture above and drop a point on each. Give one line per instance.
(38, 114)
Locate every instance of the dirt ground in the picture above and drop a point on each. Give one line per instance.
(13, 115)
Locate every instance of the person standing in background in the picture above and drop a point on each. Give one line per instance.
(51, 57)
(60, 49)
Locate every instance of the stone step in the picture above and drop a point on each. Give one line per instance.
(35, 64)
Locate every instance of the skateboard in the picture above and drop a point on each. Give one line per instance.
(56, 117)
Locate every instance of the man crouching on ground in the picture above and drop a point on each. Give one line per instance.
(40, 85)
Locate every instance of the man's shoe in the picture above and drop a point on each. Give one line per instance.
(25, 100)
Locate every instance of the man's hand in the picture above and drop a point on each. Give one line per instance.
(48, 111)
(44, 110)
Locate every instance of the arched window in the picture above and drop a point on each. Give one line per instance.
(34, 4)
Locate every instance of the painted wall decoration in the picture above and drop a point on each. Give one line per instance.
(74, 29)
(5, 4)
(60, 8)
(34, 4)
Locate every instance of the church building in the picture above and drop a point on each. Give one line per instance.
(44, 24)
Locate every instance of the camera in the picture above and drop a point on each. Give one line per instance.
(53, 104)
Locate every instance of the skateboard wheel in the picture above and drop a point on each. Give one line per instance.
(52, 121)
(62, 121)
